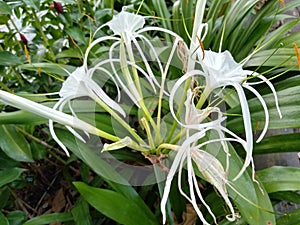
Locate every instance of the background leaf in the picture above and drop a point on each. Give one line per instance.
(292, 218)
(81, 213)
(114, 205)
(50, 218)
(9, 175)
(9, 59)
(279, 178)
(14, 144)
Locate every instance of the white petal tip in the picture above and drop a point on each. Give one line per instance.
(66, 151)
(231, 218)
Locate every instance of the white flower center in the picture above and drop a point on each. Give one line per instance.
(126, 22)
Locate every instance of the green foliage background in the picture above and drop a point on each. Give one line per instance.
(59, 43)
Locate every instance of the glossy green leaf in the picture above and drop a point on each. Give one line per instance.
(35, 4)
(289, 196)
(253, 214)
(77, 34)
(283, 56)
(50, 218)
(8, 59)
(278, 143)
(114, 205)
(3, 219)
(289, 106)
(14, 144)
(21, 117)
(162, 11)
(81, 213)
(4, 8)
(291, 218)
(48, 68)
(279, 178)
(16, 217)
(104, 169)
(9, 175)
(4, 197)
(70, 53)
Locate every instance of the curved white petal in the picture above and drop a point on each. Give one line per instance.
(272, 89)
(248, 127)
(263, 103)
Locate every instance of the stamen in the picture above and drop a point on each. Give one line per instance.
(39, 71)
(297, 53)
(91, 18)
(27, 54)
(257, 126)
(282, 3)
(201, 45)
(73, 41)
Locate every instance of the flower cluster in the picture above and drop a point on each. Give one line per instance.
(128, 61)
(135, 65)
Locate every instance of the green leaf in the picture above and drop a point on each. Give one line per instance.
(292, 218)
(21, 117)
(9, 175)
(77, 34)
(69, 53)
(48, 68)
(284, 56)
(16, 217)
(50, 218)
(244, 185)
(8, 59)
(289, 106)
(278, 143)
(35, 4)
(4, 8)
(114, 205)
(103, 169)
(279, 178)
(3, 219)
(81, 213)
(289, 196)
(14, 144)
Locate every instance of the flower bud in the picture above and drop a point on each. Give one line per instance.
(23, 38)
(58, 7)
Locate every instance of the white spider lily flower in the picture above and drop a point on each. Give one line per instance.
(80, 84)
(221, 70)
(126, 52)
(190, 150)
(52, 114)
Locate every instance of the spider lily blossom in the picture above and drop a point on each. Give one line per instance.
(191, 151)
(80, 84)
(126, 52)
(52, 114)
(221, 70)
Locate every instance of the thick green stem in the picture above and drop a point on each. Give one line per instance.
(203, 97)
(130, 82)
(120, 120)
(179, 111)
